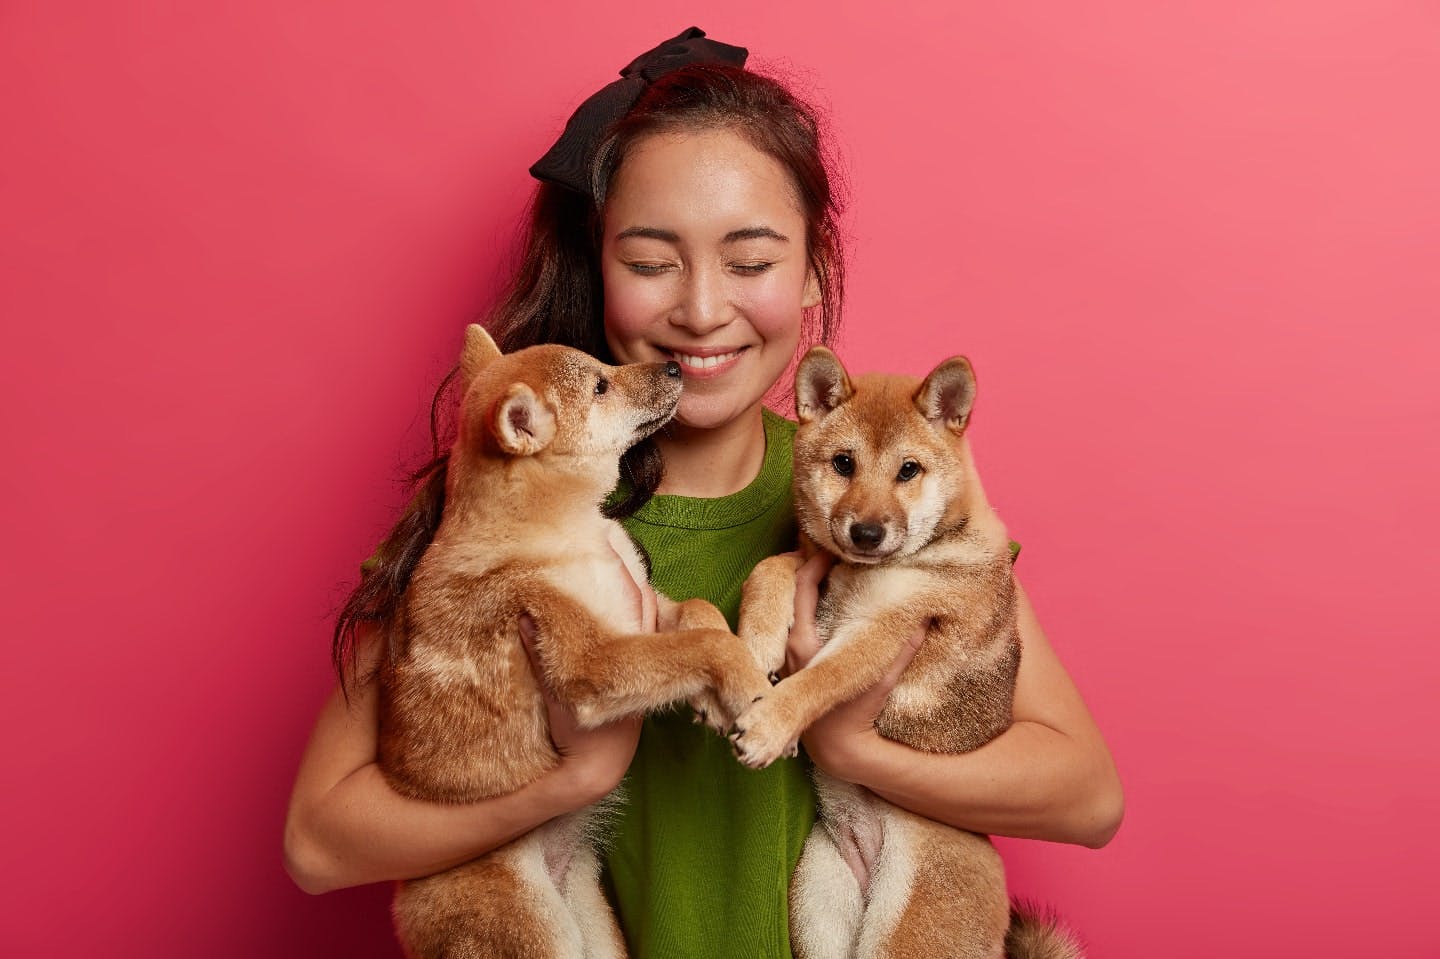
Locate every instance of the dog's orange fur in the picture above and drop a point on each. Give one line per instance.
(884, 480)
(462, 716)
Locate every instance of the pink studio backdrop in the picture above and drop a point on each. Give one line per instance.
(1191, 248)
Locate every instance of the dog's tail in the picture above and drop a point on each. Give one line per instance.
(1037, 933)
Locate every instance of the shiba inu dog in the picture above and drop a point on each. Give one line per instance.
(540, 436)
(884, 481)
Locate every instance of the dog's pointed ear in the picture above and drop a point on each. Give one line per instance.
(948, 395)
(523, 423)
(820, 384)
(479, 350)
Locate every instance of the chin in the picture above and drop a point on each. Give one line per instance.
(709, 415)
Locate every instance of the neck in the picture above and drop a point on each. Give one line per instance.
(713, 462)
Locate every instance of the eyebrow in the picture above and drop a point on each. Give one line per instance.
(734, 236)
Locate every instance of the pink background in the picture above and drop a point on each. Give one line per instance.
(1191, 248)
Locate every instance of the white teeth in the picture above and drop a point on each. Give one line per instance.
(703, 362)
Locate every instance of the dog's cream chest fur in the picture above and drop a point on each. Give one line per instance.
(600, 568)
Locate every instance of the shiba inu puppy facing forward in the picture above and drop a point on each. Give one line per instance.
(540, 436)
(885, 482)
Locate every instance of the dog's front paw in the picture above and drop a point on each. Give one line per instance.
(742, 685)
(699, 614)
(764, 732)
(768, 651)
(709, 711)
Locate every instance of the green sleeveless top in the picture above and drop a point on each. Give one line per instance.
(701, 858)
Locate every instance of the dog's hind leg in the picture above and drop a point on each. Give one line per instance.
(500, 906)
(599, 933)
(826, 904)
(937, 892)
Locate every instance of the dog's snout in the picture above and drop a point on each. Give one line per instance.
(867, 535)
(672, 369)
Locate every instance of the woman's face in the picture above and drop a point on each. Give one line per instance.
(704, 262)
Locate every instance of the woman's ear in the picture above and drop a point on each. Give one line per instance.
(811, 296)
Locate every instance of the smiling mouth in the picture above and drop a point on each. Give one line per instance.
(691, 361)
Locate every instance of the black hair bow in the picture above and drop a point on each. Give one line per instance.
(568, 162)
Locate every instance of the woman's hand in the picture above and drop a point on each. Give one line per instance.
(595, 760)
(845, 732)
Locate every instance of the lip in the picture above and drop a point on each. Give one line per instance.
(705, 353)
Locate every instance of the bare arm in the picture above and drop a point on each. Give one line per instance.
(1049, 776)
(346, 826)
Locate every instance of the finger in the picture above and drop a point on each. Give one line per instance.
(559, 717)
(528, 632)
(907, 653)
(804, 641)
(816, 566)
(649, 609)
(807, 588)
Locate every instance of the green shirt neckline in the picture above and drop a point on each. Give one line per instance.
(738, 508)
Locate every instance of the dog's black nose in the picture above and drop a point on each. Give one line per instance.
(866, 535)
(672, 369)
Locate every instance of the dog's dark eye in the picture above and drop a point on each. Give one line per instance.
(908, 471)
(602, 386)
(843, 464)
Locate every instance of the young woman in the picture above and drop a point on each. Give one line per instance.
(687, 214)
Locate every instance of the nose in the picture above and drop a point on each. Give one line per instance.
(704, 305)
(672, 369)
(867, 535)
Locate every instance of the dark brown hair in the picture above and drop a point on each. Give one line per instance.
(555, 294)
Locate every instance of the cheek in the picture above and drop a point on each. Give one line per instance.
(773, 308)
(631, 307)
